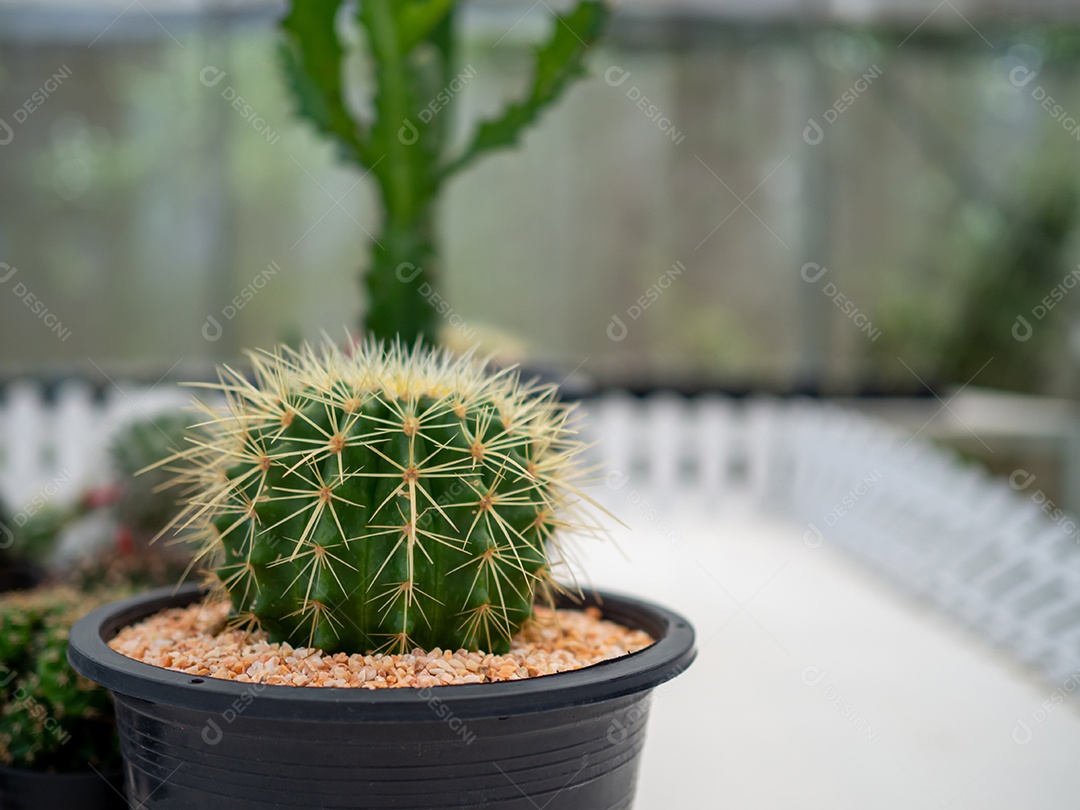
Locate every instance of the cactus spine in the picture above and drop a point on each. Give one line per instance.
(382, 499)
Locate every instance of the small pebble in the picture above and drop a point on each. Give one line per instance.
(195, 640)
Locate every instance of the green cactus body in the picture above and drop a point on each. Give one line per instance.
(383, 500)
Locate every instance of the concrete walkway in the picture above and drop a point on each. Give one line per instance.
(820, 686)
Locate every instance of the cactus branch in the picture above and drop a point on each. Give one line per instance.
(405, 150)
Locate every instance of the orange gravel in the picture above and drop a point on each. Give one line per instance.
(195, 640)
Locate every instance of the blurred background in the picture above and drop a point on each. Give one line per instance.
(904, 146)
(848, 199)
(785, 248)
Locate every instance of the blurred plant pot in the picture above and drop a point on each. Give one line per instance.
(20, 576)
(562, 742)
(38, 790)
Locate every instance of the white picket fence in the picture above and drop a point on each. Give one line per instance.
(56, 447)
(976, 547)
(981, 549)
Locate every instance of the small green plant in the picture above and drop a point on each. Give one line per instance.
(143, 502)
(404, 144)
(136, 507)
(383, 499)
(52, 718)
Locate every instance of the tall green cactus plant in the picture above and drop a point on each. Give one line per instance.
(403, 145)
(382, 499)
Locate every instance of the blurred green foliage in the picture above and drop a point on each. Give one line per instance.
(590, 210)
(1006, 322)
(52, 718)
(138, 504)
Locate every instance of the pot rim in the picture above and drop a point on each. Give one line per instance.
(91, 656)
(32, 775)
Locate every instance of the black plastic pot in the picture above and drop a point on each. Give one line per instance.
(19, 576)
(562, 742)
(36, 790)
